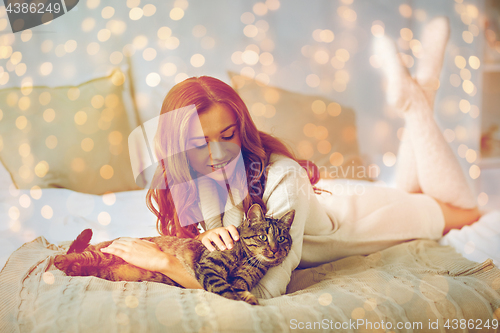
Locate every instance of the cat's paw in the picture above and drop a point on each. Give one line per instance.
(68, 266)
(61, 262)
(248, 297)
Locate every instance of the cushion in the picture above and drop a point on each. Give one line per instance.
(413, 282)
(73, 137)
(314, 127)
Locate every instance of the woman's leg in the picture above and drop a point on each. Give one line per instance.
(438, 172)
(434, 39)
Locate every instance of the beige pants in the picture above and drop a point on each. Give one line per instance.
(368, 218)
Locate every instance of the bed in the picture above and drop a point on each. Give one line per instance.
(411, 283)
(66, 164)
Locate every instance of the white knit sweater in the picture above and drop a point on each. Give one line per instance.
(328, 227)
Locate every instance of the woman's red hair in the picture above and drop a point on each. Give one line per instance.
(256, 146)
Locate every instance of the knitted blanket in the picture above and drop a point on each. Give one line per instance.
(414, 286)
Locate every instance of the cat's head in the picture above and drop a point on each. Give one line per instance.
(266, 239)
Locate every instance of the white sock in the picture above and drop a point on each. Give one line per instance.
(438, 172)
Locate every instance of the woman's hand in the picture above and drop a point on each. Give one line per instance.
(222, 237)
(138, 252)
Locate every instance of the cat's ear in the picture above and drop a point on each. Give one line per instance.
(287, 219)
(255, 212)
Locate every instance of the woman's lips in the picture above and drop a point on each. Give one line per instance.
(218, 165)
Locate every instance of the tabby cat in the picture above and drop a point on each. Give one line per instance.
(264, 242)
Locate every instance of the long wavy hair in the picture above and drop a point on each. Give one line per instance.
(256, 148)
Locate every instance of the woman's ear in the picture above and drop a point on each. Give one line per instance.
(287, 219)
(255, 212)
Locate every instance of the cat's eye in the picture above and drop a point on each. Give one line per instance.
(281, 239)
(263, 237)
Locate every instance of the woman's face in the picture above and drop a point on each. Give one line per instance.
(213, 148)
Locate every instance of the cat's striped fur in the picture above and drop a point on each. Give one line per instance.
(264, 242)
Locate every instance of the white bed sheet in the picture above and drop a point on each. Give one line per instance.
(129, 217)
(72, 212)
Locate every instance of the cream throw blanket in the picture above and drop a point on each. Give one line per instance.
(412, 282)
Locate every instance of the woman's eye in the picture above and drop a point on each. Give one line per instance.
(281, 239)
(263, 237)
(200, 146)
(228, 137)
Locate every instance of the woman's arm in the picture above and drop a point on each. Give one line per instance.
(147, 255)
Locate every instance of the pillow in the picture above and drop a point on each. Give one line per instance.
(315, 128)
(72, 137)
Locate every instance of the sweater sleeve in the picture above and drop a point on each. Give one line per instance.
(288, 187)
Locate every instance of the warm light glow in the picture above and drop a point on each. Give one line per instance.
(460, 62)
(109, 198)
(176, 14)
(36, 192)
(93, 48)
(87, 144)
(326, 36)
(312, 80)
(106, 171)
(309, 130)
(49, 115)
(474, 62)
(464, 105)
(250, 31)
(378, 28)
(449, 135)
(80, 117)
(389, 159)
(149, 10)
(41, 169)
(318, 106)
(149, 54)
(136, 13)
(103, 35)
(260, 9)
(250, 57)
(405, 10)
(474, 171)
(46, 68)
(24, 149)
(168, 69)
(247, 18)
(87, 25)
(471, 155)
(482, 200)
(21, 122)
(153, 79)
(336, 159)
(107, 12)
(47, 212)
(197, 60)
(51, 141)
(164, 32)
(406, 34)
(104, 218)
(321, 56)
(468, 86)
(468, 37)
(321, 133)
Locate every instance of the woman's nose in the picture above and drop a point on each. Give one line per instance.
(217, 151)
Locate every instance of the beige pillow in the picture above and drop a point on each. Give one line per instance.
(72, 137)
(317, 129)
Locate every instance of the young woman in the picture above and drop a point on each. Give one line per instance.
(217, 164)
